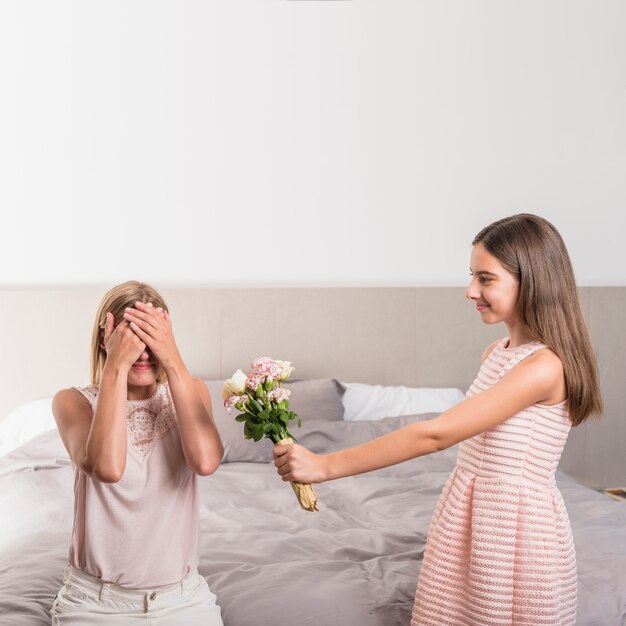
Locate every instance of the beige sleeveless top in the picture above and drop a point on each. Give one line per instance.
(141, 532)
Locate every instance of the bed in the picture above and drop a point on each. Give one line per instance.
(355, 562)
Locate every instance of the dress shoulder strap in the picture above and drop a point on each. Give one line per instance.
(522, 352)
(90, 392)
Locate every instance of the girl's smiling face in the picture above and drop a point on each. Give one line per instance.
(493, 288)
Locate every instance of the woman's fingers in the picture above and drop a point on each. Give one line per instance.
(148, 307)
(142, 334)
(136, 322)
(123, 344)
(110, 329)
(149, 318)
(124, 328)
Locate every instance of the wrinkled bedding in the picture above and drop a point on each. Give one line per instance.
(355, 563)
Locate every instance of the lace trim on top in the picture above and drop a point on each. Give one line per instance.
(147, 420)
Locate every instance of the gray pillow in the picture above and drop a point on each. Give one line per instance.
(310, 399)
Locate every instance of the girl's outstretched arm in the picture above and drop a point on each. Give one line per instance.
(533, 380)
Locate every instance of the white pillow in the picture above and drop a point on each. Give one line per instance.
(26, 422)
(374, 402)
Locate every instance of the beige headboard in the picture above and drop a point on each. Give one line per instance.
(392, 336)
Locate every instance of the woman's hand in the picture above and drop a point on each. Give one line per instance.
(153, 326)
(296, 463)
(122, 345)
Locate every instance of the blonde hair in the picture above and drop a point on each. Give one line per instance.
(115, 301)
(532, 250)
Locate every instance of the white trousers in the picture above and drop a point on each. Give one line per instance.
(86, 600)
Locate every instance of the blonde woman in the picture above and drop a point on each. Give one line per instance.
(138, 436)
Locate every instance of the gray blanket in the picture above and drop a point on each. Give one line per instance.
(356, 562)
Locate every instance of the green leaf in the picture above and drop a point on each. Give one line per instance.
(257, 433)
(257, 406)
(299, 423)
(241, 418)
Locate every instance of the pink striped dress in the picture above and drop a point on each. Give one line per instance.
(500, 549)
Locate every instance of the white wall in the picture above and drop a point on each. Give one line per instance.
(305, 143)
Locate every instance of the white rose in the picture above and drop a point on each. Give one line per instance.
(286, 369)
(234, 386)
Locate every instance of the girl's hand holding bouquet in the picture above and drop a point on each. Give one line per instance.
(264, 410)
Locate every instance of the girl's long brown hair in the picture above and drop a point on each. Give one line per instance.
(532, 250)
(115, 301)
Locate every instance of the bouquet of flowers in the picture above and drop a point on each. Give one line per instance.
(264, 410)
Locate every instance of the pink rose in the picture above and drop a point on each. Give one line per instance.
(266, 368)
(261, 363)
(279, 394)
(229, 403)
(254, 380)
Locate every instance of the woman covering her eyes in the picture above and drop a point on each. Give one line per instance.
(138, 436)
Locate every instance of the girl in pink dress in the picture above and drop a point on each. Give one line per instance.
(499, 550)
(138, 436)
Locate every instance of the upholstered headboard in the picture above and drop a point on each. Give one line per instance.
(425, 336)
